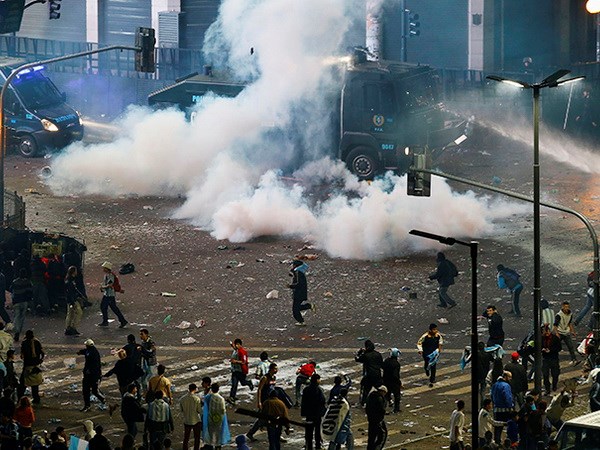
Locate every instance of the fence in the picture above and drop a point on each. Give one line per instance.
(171, 63)
(14, 208)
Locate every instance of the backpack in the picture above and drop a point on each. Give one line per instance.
(117, 285)
(511, 277)
(453, 269)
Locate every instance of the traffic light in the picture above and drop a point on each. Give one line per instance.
(54, 8)
(144, 56)
(413, 24)
(11, 14)
(419, 183)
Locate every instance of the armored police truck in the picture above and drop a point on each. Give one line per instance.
(385, 111)
(36, 115)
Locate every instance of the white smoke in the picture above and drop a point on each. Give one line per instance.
(227, 162)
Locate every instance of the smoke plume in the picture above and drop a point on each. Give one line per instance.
(228, 162)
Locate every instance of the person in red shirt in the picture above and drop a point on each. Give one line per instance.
(24, 417)
(304, 372)
(239, 369)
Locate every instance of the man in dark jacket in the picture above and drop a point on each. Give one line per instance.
(372, 362)
(375, 410)
(391, 378)
(131, 410)
(495, 328)
(518, 384)
(92, 373)
(313, 408)
(32, 355)
(299, 291)
(551, 347)
(125, 370)
(445, 273)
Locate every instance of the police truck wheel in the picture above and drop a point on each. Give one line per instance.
(28, 147)
(362, 162)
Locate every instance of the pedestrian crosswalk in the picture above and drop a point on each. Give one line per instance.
(62, 386)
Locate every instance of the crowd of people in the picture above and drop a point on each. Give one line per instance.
(529, 417)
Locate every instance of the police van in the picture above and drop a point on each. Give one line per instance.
(36, 115)
(580, 433)
(383, 113)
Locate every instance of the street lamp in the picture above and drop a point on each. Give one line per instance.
(473, 245)
(551, 81)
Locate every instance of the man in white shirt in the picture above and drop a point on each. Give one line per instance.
(487, 421)
(191, 407)
(457, 424)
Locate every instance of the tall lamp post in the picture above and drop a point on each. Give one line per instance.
(548, 82)
(593, 7)
(473, 245)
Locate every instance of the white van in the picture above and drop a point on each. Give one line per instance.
(580, 433)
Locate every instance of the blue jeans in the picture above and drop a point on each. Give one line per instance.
(20, 309)
(589, 304)
(110, 302)
(239, 377)
(516, 293)
(274, 434)
(149, 372)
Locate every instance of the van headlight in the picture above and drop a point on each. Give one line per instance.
(49, 126)
(79, 118)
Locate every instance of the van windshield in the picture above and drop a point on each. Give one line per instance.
(575, 438)
(37, 91)
(418, 92)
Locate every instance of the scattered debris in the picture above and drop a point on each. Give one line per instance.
(167, 319)
(69, 363)
(200, 323)
(260, 260)
(328, 294)
(442, 320)
(32, 191)
(136, 248)
(148, 207)
(188, 340)
(183, 325)
(307, 257)
(168, 294)
(222, 247)
(273, 294)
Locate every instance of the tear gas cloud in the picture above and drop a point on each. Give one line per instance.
(228, 161)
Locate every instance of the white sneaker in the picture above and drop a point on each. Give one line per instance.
(300, 324)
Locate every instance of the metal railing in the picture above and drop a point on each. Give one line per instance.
(171, 63)
(14, 209)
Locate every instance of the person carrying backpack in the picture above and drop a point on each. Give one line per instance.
(445, 274)
(509, 279)
(110, 285)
